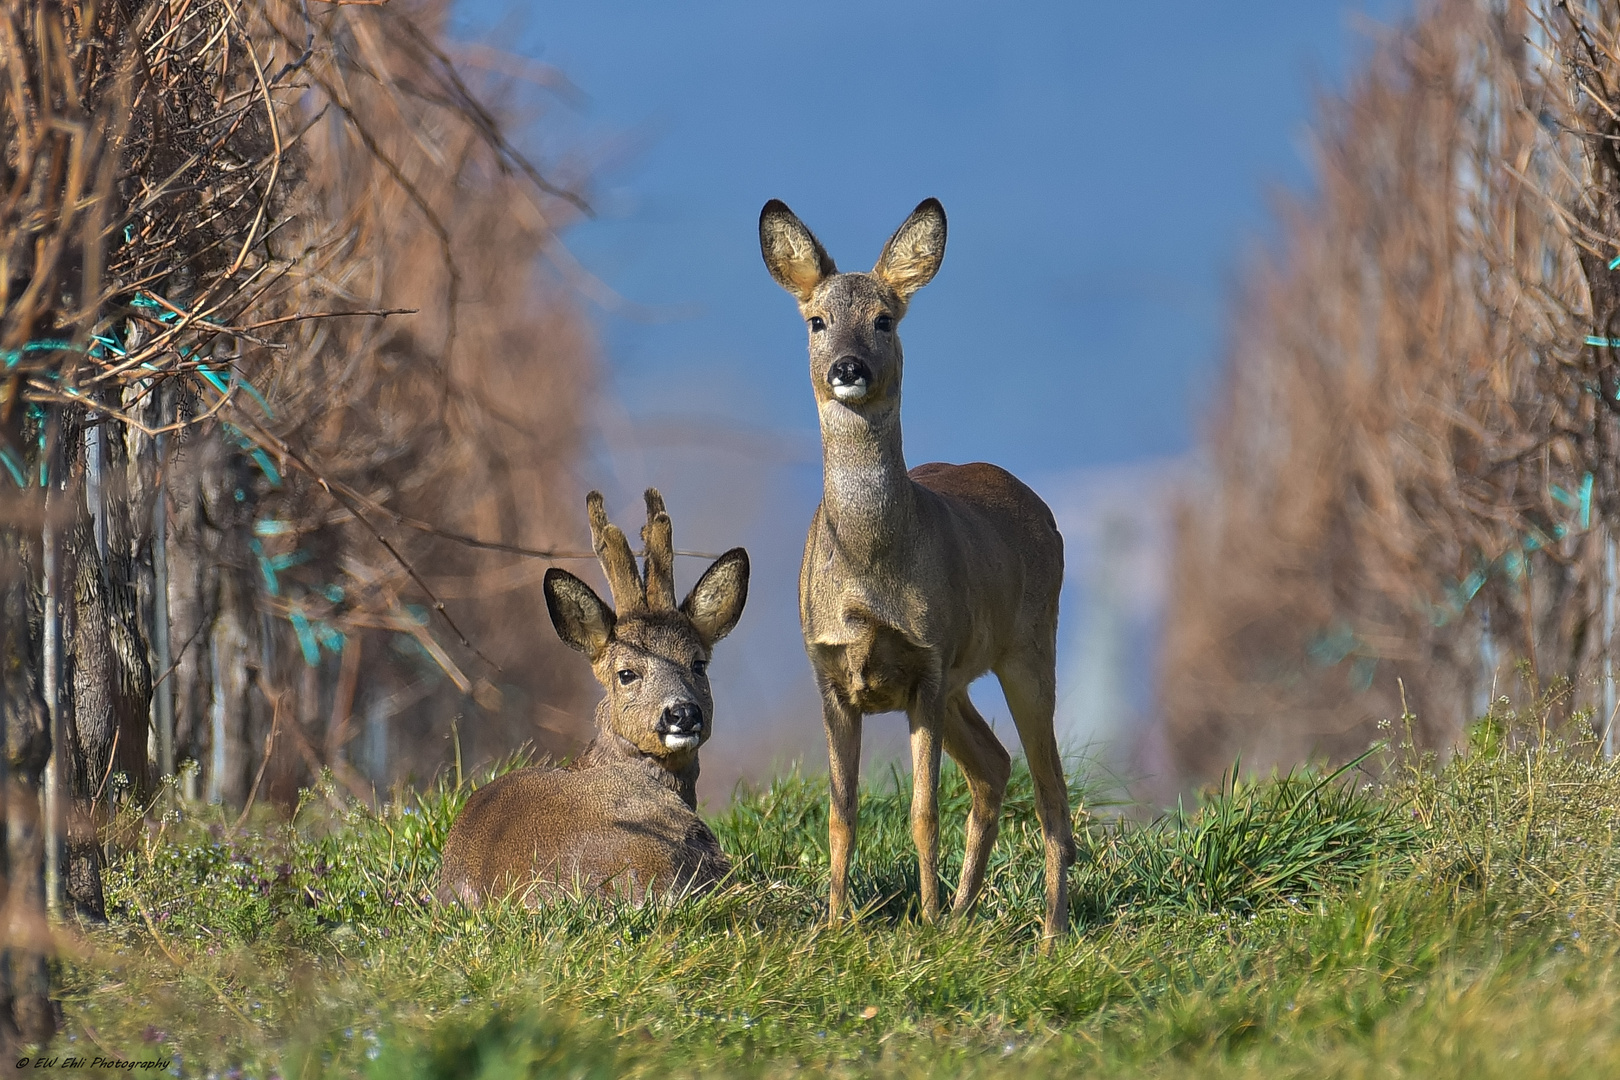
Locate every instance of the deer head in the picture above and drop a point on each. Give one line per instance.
(650, 654)
(855, 355)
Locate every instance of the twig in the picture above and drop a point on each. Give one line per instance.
(304, 316)
(112, 759)
(339, 770)
(178, 656)
(269, 743)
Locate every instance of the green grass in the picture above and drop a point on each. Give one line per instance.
(1458, 920)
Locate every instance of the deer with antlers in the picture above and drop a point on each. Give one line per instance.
(915, 583)
(621, 818)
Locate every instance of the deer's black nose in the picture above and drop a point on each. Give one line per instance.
(683, 719)
(849, 371)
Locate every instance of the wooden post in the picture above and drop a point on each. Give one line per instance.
(1488, 663)
(163, 692)
(51, 565)
(1610, 585)
(94, 490)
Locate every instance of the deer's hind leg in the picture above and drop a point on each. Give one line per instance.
(1029, 683)
(986, 766)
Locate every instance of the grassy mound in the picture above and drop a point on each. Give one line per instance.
(1457, 919)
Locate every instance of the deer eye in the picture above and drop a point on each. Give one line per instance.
(817, 324)
(626, 676)
(700, 667)
(884, 323)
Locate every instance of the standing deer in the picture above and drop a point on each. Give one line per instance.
(621, 818)
(916, 583)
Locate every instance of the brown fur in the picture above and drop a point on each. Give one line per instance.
(916, 583)
(544, 832)
(622, 818)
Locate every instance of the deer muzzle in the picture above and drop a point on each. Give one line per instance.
(681, 726)
(849, 378)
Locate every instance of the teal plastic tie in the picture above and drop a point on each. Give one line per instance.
(332, 639)
(146, 300)
(14, 356)
(14, 466)
(253, 450)
(220, 384)
(213, 377)
(224, 387)
(253, 392)
(267, 568)
(306, 637)
(1586, 501)
(1362, 670)
(290, 560)
(1471, 585)
(1332, 646)
(266, 466)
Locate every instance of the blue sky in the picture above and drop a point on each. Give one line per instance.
(1105, 168)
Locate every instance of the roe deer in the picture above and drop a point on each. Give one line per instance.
(621, 817)
(915, 584)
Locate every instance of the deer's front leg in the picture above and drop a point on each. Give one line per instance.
(844, 769)
(927, 718)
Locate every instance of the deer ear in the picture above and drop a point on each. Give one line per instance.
(582, 620)
(792, 253)
(716, 602)
(912, 256)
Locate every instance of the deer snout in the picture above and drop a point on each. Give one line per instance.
(681, 726)
(849, 378)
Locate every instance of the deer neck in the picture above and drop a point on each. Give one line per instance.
(867, 498)
(609, 747)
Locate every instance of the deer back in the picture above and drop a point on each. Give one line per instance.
(544, 832)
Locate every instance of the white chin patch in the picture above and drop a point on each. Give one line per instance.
(680, 742)
(850, 391)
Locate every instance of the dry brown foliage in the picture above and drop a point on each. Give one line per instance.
(276, 271)
(1414, 465)
(275, 346)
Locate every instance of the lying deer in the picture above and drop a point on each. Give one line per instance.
(621, 818)
(916, 583)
